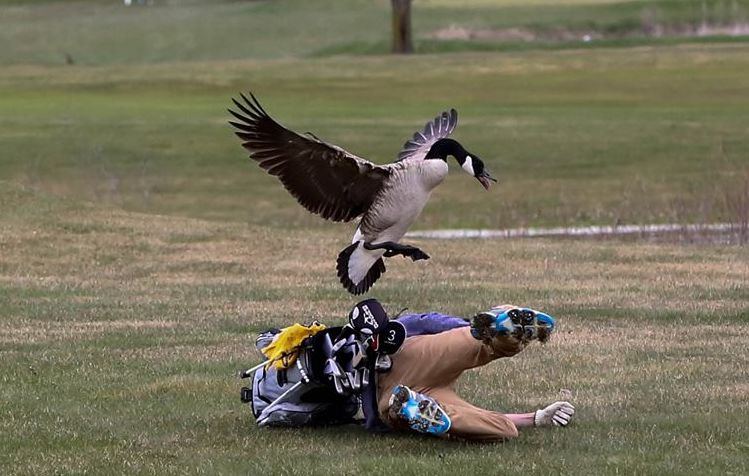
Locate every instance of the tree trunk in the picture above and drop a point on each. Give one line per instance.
(402, 42)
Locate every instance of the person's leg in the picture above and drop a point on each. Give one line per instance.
(442, 357)
(470, 422)
(434, 361)
(430, 364)
(464, 421)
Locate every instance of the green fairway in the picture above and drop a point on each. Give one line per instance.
(141, 250)
(107, 32)
(597, 136)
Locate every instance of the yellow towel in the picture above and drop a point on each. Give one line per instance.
(284, 349)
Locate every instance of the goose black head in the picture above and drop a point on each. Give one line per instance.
(471, 163)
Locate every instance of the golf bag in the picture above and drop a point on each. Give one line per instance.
(302, 394)
(323, 385)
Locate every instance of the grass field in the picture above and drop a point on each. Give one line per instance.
(122, 332)
(95, 32)
(602, 136)
(140, 251)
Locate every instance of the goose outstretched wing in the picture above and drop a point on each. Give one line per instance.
(434, 130)
(324, 178)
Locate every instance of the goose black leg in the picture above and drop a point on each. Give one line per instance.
(393, 249)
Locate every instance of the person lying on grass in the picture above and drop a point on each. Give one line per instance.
(417, 392)
(401, 372)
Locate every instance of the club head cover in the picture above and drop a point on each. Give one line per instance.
(368, 317)
(392, 337)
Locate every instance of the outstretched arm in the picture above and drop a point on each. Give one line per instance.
(557, 414)
(521, 419)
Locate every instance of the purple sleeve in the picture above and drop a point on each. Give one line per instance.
(430, 323)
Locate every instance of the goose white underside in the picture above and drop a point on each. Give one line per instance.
(361, 261)
(358, 268)
(388, 220)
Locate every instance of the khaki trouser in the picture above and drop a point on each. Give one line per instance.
(431, 364)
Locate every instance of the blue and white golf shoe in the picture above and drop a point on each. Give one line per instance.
(520, 322)
(421, 412)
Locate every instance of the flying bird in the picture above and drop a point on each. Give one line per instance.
(340, 186)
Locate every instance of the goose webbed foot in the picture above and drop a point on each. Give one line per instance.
(416, 254)
(393, 249)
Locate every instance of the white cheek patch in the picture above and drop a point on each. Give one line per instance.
(468, 165)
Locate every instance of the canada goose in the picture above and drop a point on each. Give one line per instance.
(337, 185)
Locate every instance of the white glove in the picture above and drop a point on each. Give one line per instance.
(558, 414)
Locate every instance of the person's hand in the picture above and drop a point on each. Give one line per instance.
(557, 414)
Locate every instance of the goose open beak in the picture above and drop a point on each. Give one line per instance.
(485, 179)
